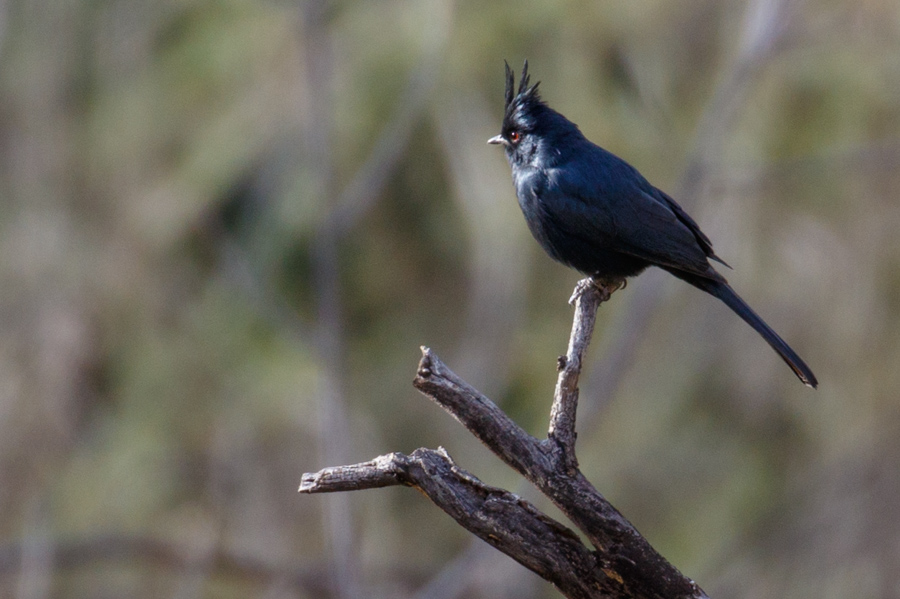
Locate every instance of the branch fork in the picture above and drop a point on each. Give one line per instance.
(618, 564)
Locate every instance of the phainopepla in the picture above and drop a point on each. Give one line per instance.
(591, 210)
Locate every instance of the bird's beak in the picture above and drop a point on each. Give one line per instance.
(497, 139)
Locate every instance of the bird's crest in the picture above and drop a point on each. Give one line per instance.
(525, 94)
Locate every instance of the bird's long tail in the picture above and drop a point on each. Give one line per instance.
(724, 292)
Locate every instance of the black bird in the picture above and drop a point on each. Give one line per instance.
(591, 210)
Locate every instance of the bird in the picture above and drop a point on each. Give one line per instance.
(594, 212)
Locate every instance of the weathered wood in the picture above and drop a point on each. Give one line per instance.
(621, 565)
(500, 518)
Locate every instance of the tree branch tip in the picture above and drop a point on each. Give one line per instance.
(308, 482)
(427, 364)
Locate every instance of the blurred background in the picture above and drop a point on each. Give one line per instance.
(227, 226)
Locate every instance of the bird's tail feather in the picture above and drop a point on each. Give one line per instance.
(724, 292)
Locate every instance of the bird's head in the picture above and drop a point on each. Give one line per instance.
(528, 123)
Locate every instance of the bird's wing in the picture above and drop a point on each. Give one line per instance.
(631, 221)
(651, 230)
(685, 218)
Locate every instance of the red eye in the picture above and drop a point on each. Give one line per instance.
(514, 137)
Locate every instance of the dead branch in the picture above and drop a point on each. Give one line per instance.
(621, 564)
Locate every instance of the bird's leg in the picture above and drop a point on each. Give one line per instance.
(606, 287)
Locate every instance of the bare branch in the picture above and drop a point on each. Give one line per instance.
(496, 516)
(624, 551)
(587, 298)
(623, 564)
(383, 471)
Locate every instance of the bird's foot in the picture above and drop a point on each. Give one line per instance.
(605, 287)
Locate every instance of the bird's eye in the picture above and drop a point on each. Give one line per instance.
(514, 137)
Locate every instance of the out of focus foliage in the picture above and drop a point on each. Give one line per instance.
(226, 226)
